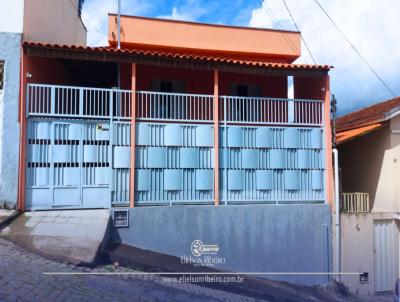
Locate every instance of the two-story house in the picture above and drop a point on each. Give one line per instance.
(189, 133)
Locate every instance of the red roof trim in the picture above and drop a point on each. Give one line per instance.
(208, 58)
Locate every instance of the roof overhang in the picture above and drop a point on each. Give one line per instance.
(150, 57)
(347, 135)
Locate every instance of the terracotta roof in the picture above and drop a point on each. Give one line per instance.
(344, 136)
(367, 116)
(187, 56)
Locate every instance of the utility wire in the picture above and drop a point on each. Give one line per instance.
(276, 21)
(356, 50)
(298, 29)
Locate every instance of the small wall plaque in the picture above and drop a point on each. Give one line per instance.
(121, 218)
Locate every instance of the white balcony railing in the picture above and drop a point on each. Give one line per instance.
(355, 202)
(82, 102)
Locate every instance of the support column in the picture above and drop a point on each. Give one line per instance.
(22, 138)
(133, 138)
(328, 143)
(216, 139)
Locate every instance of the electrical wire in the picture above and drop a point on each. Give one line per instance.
(357, 51)
(298, 29)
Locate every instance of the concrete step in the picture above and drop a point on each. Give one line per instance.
(74, 236)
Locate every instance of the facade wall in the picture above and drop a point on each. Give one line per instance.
(257, 44)
(201, 81)
(395, 151)
(357, 251)
(53, 22)
(251, 238)
(9, 130)
(45, 71)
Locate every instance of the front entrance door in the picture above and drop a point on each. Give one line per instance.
(384, 248)
(68, 165)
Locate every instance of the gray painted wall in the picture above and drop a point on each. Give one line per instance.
(252, 238)
(9, 127)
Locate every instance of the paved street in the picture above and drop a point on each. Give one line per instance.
(22, 279)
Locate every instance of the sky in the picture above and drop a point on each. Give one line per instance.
(371, 25)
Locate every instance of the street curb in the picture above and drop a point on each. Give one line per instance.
(9, 219)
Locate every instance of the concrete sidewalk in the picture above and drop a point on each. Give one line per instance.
(75, 236)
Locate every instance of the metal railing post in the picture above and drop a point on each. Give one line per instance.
(110, 145)
(225, 151)
(81, 91)
(52, 100)
(291, 112)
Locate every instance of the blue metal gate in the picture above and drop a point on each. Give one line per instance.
(79, 142)
(67, 164)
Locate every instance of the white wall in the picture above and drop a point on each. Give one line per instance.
(357, 249)
(11, 16)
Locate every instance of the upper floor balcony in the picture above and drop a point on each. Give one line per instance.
(151, 106)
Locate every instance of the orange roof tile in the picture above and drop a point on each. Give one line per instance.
(209, 58)
(367, 116)
(343, 136)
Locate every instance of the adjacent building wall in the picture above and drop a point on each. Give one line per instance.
(251, 238)
(53, 22)
(9, 128)
(395, 152)
(368, 165)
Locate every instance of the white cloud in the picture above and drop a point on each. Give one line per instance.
(371, 25)
(177, 15)
(95, 14)
(190, 11)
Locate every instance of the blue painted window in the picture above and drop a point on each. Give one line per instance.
(189, 158)
(235, 180)
(204, 180)
(291, 138)
(173, 180)
(292, 180)
(249, 159)
(277, 159)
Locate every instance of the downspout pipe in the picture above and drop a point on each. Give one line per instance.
(337, 214)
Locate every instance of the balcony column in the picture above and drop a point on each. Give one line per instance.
(133, 138)
(328, 143)
(216, 138)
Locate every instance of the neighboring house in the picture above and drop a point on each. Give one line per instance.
(369, 150)
(200, 142)
(48, 21)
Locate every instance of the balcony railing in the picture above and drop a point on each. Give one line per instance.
(355, 202)
(82, 102)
